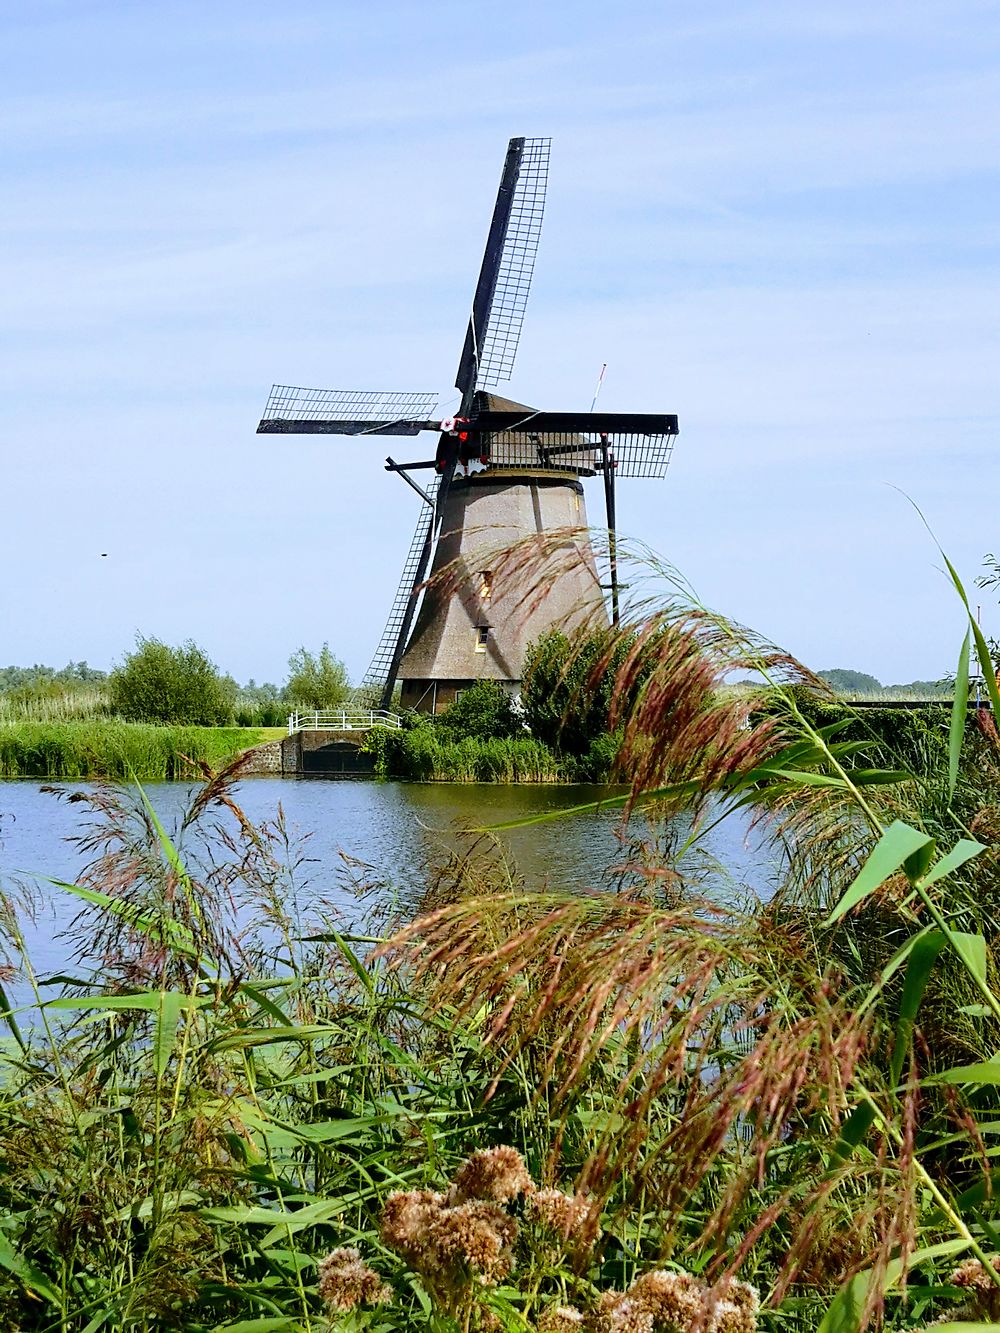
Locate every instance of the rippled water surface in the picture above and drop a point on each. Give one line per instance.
(399, 829)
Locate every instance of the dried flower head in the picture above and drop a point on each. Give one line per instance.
(973, 1275)
(407, 1216)
(561, 1319)
(735, 1309)
(449, 1245)
(628, 1316)
(671, 1299)
(474, 1236)
(346, 1282)
(494, 1174)
(574, 1218)
(669, 1302)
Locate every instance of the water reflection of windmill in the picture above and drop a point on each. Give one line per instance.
(501, 471)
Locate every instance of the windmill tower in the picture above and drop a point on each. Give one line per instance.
(501, 471)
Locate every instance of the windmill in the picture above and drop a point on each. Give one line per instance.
(501, 470)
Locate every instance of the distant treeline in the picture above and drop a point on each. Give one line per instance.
(163, 685)
(844, 681)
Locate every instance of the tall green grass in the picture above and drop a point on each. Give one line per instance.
(81, 703)
(428, 754)
(115, 749)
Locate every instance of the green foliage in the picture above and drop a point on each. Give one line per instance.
(567, 688)
(484, 712)
(807, 1092)
(845, 681)
(160, 684)
(316, 681)
(72, 675)
(114, 749)
(860, 684)
(426, 752)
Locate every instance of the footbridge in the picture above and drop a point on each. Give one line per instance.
(343, 719)
(328, 742)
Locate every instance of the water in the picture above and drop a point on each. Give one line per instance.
(398, 829)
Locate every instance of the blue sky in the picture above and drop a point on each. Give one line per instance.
(778, 220)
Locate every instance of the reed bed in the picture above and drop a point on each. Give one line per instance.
(115, 749)
(652, 1110)
(429, 756)
(79, 704)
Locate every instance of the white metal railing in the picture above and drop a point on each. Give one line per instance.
(343, 719)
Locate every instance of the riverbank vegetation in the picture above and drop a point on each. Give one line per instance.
(115, 749)
(160, 685)
(660, 1107)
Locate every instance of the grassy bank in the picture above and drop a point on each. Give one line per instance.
(426, 754)
(117, 749)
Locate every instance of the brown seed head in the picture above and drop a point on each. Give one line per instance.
(972, 1275)
(495, 1174)
(345, 1282)
(575, 1219)
(561, 1319)
(475, 1235)
(407, 1216)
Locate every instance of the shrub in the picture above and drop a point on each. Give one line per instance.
(316, 682)
(567, 688)
(157, 683)
(485, 711)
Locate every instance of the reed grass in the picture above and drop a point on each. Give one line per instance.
(54, 704)
(114, 749)
(232, 1114)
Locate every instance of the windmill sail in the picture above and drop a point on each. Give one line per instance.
(383, 662)
(508, 264)
(294, 411)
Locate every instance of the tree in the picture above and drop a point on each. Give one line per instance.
(485, 711)
(316, 682)
(845, 681)
(566, 692)
(157, 683)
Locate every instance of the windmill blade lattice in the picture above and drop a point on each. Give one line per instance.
(294, 411)
(381, 664)
(517, 266)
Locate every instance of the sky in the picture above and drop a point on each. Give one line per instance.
(776, 219)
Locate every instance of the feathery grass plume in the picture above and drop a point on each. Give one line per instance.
(156, 904)
(346, 1282)
(651, 1003)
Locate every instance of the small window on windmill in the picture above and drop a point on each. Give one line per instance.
(482, 638)
(485, 585)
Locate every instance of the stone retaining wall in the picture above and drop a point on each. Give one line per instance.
(264, 759)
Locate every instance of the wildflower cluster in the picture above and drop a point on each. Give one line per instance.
(983, 1303)
(461, 1241)
(345, 1282)
(571, 1220)
(662, 1302)
(464, 1236)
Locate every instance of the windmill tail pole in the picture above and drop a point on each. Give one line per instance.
(600, 381)
(608, 468)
